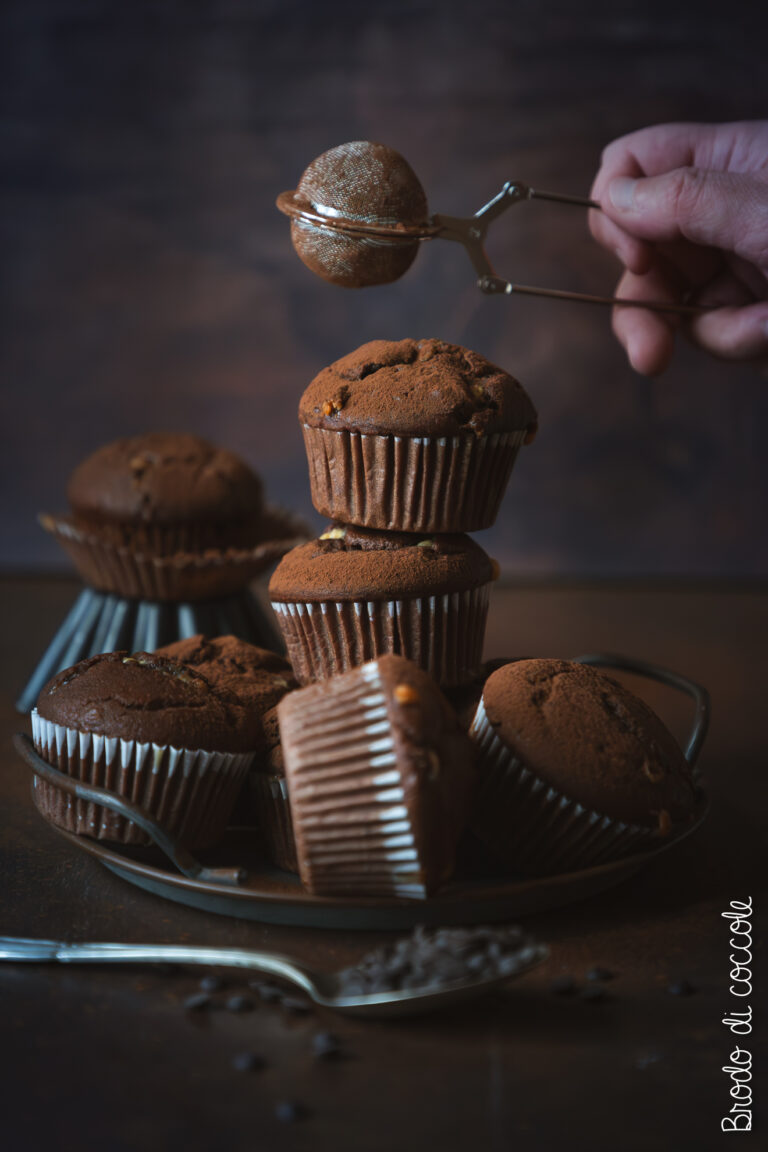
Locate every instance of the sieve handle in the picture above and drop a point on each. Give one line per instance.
(495, 286)
(471, 232)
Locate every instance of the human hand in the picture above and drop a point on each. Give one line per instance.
(685, 209)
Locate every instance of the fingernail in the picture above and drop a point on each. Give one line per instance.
(621, 193)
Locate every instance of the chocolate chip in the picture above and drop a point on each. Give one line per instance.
(289, 1111)
(248, 1062)
(197, 1002)
(239, 1004)
(325, 1045)
(600, 974)
(681, 988)
(434, 958)
(563, 986)
(211, 983)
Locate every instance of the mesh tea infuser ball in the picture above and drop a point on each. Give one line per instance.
(358, 214)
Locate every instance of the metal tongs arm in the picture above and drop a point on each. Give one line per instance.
(472, 230)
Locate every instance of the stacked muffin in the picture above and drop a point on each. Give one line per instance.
(410, 445)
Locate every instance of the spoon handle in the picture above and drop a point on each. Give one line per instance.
(22, 949)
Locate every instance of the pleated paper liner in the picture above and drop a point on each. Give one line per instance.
(532, 828)
(191, 793)
(442, 634)
(353, 826)
(271, 808)
(410, 484)
(101, 622)
(109, 567)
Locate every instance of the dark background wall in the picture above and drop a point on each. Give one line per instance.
(149, 283)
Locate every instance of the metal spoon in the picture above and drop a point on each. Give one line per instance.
(324, 988)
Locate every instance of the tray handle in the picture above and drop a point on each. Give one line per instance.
(186, 863)
(700, 695)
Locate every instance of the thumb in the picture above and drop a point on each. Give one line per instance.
(724, 210)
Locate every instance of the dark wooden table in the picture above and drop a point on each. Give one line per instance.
(109, 1059)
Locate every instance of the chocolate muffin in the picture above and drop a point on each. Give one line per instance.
(413, 436)
(166, 493)
(257, 677)
(355, 594)
(169, 517)
(380, 777)
(574, 769)
(151, 730)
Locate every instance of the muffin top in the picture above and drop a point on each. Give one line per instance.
(349, 563)
(416, 388)
(435, 759)
(148, 698)
(257, 677)
(587, 736)
(164, 478)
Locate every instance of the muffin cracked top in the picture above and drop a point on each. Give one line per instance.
(257, 677)
(417, 388)
(163, 478)
(145, 697)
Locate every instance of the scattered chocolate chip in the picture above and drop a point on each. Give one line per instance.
(211, 984)
(563, 986)
(197, 1002)
(600, 974)
(593, 993)
(289, 1111)
(238, 1004)
(296, 1005)
(325, 1045)
(248, 1062)
(681, 988)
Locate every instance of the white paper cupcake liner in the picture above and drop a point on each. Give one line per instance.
(352, 826)
(190, 793)
(410, 484)
(442, 634)
(532, 828)
(116, 568)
